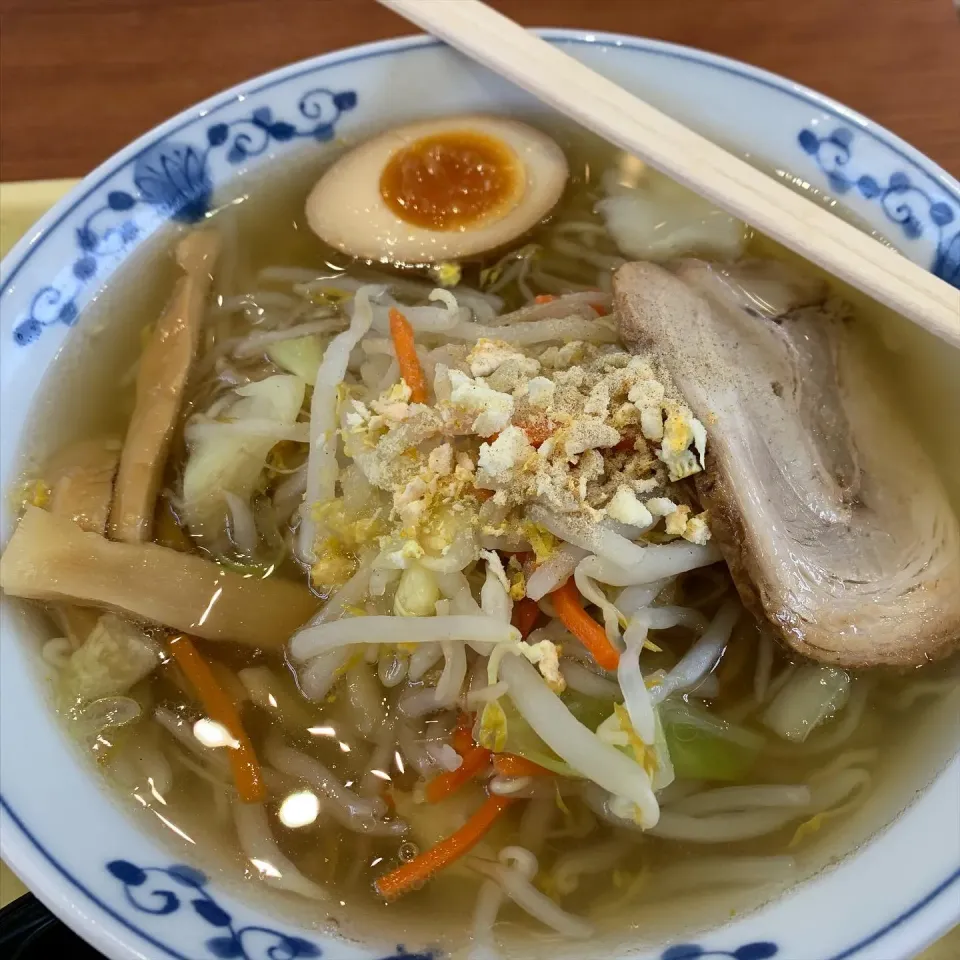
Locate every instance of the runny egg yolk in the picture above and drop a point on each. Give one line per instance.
(452, 180)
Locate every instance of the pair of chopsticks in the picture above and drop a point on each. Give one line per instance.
(723, 179)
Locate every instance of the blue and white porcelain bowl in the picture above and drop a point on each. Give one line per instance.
(117, 884)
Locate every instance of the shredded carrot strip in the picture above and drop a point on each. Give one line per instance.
(525, 615)
(510, 765)
(219, 707)
(566, 601)
(474, 760)
(599, 309)
(544, 298)
(463, 734)
(407, 359)
(414, 874)
(538, 431)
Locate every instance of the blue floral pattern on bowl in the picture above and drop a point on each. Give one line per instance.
(172, 181)
(904, 202)
(759, 950)
(230, 941)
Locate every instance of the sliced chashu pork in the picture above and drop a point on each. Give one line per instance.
(832, 518)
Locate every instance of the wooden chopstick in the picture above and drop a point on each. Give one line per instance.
(709, 170)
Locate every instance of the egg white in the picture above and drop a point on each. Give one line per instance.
(346, 210)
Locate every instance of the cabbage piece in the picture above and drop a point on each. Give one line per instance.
(813, 694)
(586, 752)
(115, 656)
(704, 747)
(301, 357)
(523, 742)
(665, 773)
(590, 711)
(234, 461)
(658, 220)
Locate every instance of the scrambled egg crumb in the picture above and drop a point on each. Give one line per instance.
(510, 450)
(491, 410)
(544, 543)
(646, 393)
(33, 493)
(332, 568)
(651, 423)
(492, 733)
(697, 529)
(487, 356)
(394, 403)
(545, 656)
(680, 431)
(661, 506)
(626, 508)
(570, 354)
(677, 432)
(397, 555)
(343, 536)
(806, 829)
(539, 391)
(584, 430)
(447, 273)
(547, 660)
(518, 582)
(588, 433)
(495, 566)
(676, 522)
(679, 523)
(440, 460)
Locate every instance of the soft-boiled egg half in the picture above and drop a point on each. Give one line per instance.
(438, 190)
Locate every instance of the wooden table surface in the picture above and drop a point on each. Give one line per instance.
(80, 78)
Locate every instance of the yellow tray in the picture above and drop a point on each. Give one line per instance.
(21, 204)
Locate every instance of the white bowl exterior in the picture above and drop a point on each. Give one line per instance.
(59, 828)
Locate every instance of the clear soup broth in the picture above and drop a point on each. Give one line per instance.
(333, 770)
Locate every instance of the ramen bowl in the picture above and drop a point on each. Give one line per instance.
(882, 888)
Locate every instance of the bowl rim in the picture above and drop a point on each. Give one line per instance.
(46, 876)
